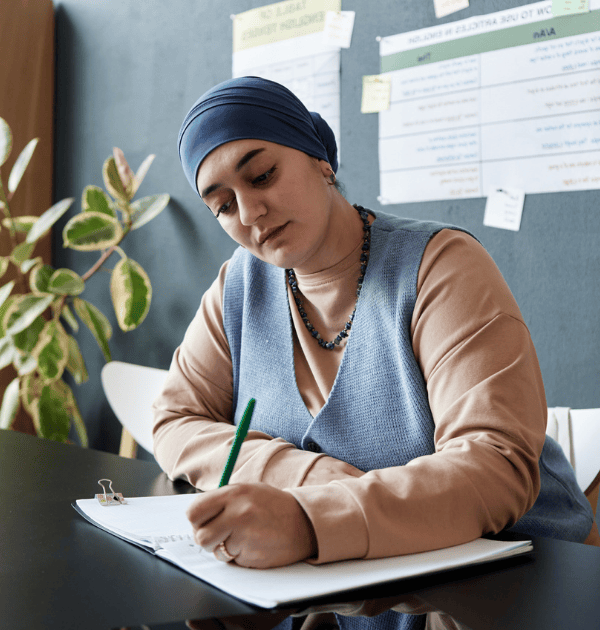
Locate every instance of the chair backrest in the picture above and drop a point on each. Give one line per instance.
(130, 389)
(578, 433)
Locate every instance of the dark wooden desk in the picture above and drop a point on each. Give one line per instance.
(59, 572)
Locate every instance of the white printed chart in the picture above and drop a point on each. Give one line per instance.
(284, 42)
(521, 110)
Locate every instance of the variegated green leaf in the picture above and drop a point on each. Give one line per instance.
(126, 175)
(3, 310)
(23, 310)
(91, 231)
(5, 291)
(30, 263)
(52, 351)
(73, 410)
(21, 224)
(66, 282)
(54, 420)
(141, 173)
(27, 339)
(131, 293)
(95, 199)
(96, 321)
(24, 363)
(10, 404)
(146, 208)
(22, 252)
(48, 219)
(68, 316)
(4, 262)
(79, 424)
(31, 388)
(7, 351)
(75, 362)
(5, 141)
(112, 181)
(20, 165)
(40, 277)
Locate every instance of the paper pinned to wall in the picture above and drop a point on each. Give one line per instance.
(284, 42)
(375, 93)
(338, 28)
(504, 209)
(504, 99)
(446, 7)
(569, 7)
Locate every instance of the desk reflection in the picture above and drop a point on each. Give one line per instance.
(322, 617)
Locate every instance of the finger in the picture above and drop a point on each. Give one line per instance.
(204, 508)
(211, 534)
(222, 553)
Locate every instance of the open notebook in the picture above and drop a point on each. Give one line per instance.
(159, 525)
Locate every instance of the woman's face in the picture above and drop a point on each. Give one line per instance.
(273, 200)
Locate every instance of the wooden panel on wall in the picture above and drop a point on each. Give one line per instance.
(27, 105)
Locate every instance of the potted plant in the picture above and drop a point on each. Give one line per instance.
(35, 307)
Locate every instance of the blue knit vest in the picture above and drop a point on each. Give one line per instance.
(377, 414)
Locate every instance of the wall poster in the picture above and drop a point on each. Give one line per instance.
(504, 100)
(284, 42)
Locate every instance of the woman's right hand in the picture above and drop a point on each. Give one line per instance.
(326, 469)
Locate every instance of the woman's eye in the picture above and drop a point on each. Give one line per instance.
(224, 209)
(261, 179)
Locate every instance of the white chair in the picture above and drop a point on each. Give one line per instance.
(130, 390)
(578, 433)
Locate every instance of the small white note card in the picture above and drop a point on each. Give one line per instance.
(375, 93)
(445, 7)
(338, 28)
(504, 209)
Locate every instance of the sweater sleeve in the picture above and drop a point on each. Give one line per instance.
(487, 399)
(193, 431)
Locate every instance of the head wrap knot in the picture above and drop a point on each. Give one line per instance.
(251, 107)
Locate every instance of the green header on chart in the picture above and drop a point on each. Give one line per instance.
(535, 32)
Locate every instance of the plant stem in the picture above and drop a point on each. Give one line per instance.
(4, 200)
(92, 270)
(105, 255)
(59, 308)
(13, 235)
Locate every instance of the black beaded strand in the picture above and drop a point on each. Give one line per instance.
(364, 259)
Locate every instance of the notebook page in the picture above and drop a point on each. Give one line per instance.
(270, 587)
(149, 520)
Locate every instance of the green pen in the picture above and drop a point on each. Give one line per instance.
(240, 435)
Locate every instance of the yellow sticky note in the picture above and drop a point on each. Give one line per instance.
(376, 93)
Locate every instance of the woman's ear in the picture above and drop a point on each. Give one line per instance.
(327, 171)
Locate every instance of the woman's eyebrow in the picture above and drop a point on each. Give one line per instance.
(243, 161)
(246, 158)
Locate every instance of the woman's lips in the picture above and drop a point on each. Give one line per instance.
(273, 234)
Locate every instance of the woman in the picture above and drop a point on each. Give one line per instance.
(400, 405)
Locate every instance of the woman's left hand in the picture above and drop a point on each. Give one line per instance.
(260, 525)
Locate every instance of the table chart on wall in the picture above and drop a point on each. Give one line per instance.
(509, 99)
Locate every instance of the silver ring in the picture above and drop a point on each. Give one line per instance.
(221, 547)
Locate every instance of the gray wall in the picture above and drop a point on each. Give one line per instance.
(127, 72)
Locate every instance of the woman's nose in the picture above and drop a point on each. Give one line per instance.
(251, 208)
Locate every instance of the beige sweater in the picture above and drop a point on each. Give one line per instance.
(485, 391)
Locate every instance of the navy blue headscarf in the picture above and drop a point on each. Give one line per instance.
(251, 107)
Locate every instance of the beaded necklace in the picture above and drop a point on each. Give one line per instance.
(364, 259)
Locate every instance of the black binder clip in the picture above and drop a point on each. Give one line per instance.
(110, 498)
